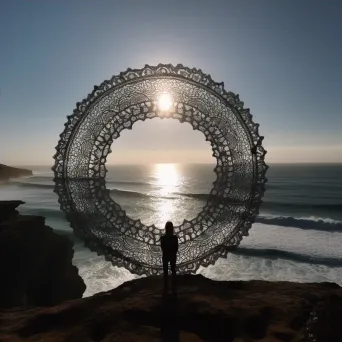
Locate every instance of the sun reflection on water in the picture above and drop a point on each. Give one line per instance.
(160, 192)
(167, 178)
(167, 182)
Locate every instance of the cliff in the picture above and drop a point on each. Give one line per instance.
(35, 263)
(203, 310)
(40, 300)
(7, 172)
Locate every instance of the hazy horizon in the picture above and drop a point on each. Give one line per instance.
(191, 163)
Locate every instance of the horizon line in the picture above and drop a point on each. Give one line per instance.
(182, 163)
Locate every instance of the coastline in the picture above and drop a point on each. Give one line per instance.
(201, 310)
(8, 172)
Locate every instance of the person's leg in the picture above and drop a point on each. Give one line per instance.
(173, 270)
(166, 271)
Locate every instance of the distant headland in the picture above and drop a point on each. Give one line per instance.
(7, 172)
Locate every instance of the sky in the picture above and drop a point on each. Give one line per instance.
(283, 58)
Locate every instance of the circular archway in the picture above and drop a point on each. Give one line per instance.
(187, 95)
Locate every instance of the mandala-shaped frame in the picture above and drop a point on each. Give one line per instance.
(116, 105)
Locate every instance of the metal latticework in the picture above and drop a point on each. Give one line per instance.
(116, 105)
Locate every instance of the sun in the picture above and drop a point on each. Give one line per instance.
(165, 102)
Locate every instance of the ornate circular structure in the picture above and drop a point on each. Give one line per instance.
(187, 95)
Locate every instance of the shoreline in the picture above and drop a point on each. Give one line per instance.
(9, 172)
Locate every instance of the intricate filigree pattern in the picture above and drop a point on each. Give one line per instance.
(116, 105)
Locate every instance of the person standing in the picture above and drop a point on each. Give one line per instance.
(169, 246)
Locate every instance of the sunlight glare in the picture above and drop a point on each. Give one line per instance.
(165, 102)
(167, 178)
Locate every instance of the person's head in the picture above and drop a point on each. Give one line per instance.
(169, 228)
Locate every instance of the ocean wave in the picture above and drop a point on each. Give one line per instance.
(264, 253)
(176, 195)
(195, 196)
(128, 193)
(137, 195)
(267, 253)
(34, 185)
(302, 206)
(314, 223)
(290, 214)
(270, 253)
(112, 182)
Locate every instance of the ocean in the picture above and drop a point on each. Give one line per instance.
(296, 237)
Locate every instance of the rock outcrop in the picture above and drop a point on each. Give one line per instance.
(35, 263)
(203, 310)
(7, 172)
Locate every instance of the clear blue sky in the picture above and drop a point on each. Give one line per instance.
(284, 58)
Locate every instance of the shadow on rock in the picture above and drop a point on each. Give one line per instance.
(169, 318)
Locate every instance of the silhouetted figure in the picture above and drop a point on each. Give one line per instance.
(169, 246)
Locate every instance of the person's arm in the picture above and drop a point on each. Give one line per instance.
(176, 243)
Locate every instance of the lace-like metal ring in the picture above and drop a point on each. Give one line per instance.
(116, 105)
